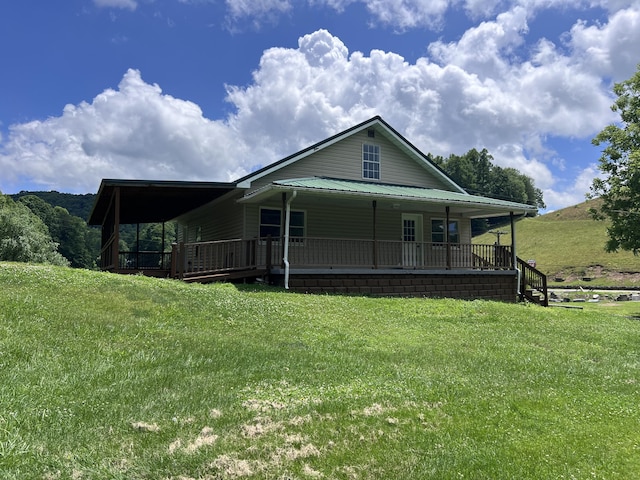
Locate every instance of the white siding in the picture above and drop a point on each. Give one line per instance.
(344, 160)
(226, 219)
(331, 221)
(221, 220)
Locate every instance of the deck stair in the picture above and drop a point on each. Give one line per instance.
(533, 284)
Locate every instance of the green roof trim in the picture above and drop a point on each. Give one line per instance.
(397, 191)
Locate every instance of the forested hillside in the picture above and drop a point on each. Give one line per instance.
(62, 218)
(76, 205)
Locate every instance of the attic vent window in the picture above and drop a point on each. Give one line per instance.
(371, 161)
(371, 133)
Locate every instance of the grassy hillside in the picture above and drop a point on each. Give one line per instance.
(105, 376)
(570, 245)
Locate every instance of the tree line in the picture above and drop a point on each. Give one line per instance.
(476, 173)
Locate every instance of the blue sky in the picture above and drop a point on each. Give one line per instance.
(212, 89)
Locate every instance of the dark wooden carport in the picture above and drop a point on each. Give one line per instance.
(133, 202)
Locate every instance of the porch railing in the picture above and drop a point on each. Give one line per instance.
(107, 260)
(533, 284)
(208, 258)
(144, 260)
(192, 259)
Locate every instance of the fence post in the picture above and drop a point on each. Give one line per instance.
(375, 253)
(181, 260)
(174, 260)
(268, 253)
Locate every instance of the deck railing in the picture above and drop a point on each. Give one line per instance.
(200, 258)
(107, 260)
(144, 260)
(206, 258)
(226, 256)
(533, 283)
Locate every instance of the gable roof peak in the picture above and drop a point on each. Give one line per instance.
(387, 130)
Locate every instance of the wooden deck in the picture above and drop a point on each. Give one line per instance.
(238, 259)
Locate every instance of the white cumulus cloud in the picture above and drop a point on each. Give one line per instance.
(133, 132)
(129, 4)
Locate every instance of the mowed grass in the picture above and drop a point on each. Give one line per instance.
(105, 376)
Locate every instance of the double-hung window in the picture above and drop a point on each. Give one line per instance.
(438, 232)
(271, 221)
(370, 161)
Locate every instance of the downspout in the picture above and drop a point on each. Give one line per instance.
(287, 222)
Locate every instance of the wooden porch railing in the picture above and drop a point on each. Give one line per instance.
(533, 284)
(201, 259)
(209, 258)
(144, 260)
(196, 259)
(107, 260)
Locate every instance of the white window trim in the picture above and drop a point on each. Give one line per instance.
(362, 161)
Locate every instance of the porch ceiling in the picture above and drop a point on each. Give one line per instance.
(148, 201)
(401, 197)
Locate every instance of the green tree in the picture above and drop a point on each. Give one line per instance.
(619, 188)
(24, 237)
(475, 172)
(76, 241)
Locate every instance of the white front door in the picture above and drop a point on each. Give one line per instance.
(411, 240)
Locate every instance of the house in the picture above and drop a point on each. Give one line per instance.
(362, 212)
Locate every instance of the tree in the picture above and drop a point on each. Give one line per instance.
(76, 241)
(619, 189)
(24, 237)
(475, 172)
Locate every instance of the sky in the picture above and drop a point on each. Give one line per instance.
(211, 90)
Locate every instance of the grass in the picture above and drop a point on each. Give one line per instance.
(569, 244)
(105, 376)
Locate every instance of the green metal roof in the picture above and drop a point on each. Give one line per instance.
(323, 185)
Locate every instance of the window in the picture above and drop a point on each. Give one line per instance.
(438, 233)
(271, 219)
(269, 222)
(371, 161)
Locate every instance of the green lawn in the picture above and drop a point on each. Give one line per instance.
(105, 376)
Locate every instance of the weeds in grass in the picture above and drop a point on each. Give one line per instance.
(105, 376)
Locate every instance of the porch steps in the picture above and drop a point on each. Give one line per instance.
(534, 296)
(533, 284)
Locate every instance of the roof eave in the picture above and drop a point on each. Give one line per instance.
(482, 210)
